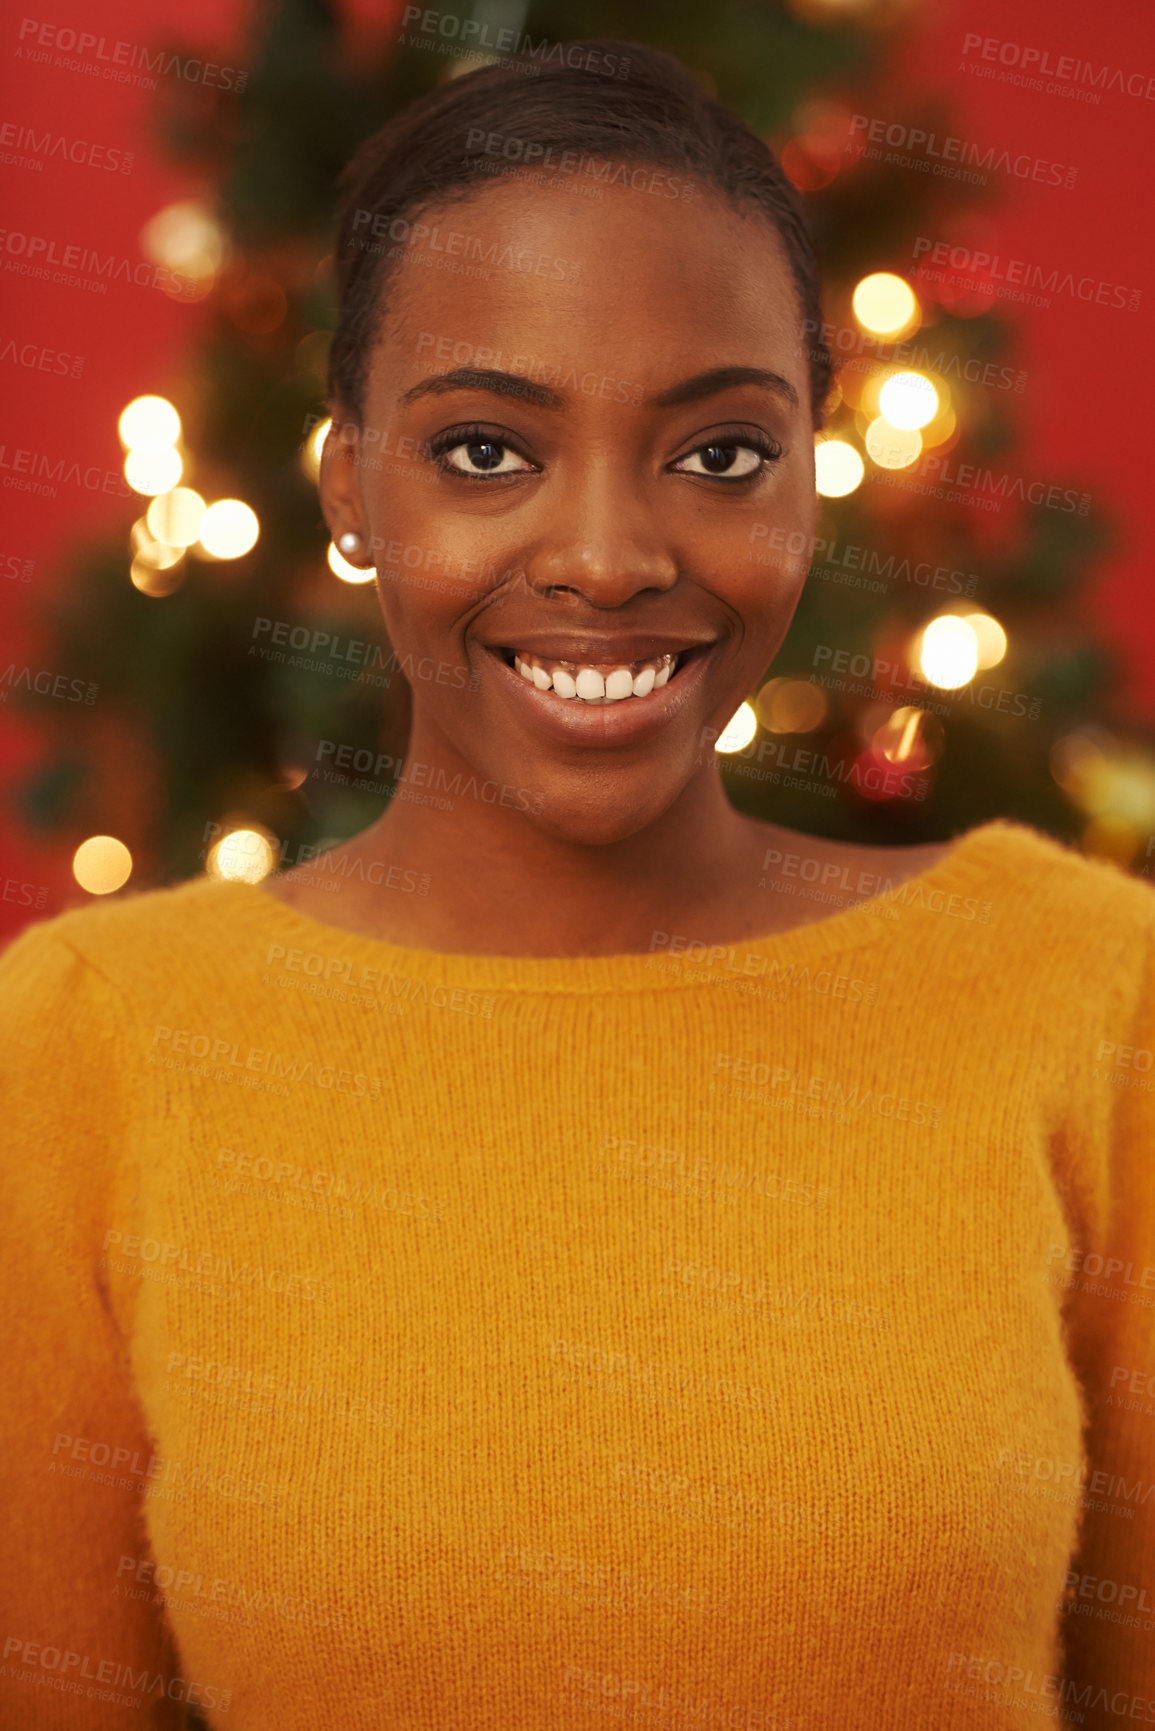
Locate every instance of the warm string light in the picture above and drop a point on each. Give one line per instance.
(898, 412)
(738, 731)
(247, 854)
(101, 865)
(178, 520)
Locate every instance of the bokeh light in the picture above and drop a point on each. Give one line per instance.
(101, 864)
(790, 706)
(148, 420)
(242, 856)
(838, 468)
(992, 639)
(229, 529)
(157, 554)
(892, 447)
(908, 400)
(175, 517)
(157, 581)
(311, 449)
(738, 731)
(948, 652)
(910, 738)
(151, 467)
(187, 239)
(341, 567)
(884, 305)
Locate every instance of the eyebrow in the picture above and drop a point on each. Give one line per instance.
(515, 385)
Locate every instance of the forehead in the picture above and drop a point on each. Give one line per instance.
(636, 282)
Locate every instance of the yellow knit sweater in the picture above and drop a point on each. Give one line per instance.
(751, 1338)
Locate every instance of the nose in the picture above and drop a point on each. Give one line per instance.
(604, 544)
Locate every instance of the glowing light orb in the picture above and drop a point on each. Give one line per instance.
(992, 639)
(243, 856)
(152, 467)
(790, 706)
(738, 731)
(229, 529)
(175, 517)
(884, 304)
(101, 864)
(341, 568)
(948, 652)
(838, 468)
(148, 420)
(908, 400)
(892, 447)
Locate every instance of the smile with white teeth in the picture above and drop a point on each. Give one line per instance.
(607, 684)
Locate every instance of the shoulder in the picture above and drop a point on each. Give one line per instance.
(1072, 894)
(126, 944)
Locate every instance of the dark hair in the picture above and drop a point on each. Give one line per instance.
(645, 109)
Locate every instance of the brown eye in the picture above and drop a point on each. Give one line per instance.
(727, 459)
(483, 457)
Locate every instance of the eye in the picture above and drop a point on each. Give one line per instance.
(477, 454)
(729, 459)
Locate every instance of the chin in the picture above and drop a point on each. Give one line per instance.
(598, 822)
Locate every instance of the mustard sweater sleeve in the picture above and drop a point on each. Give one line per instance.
(1110, 1277)
(74, 1464)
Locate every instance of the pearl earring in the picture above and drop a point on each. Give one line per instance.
(349, 542)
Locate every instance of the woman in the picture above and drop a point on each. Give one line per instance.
(605, 1284)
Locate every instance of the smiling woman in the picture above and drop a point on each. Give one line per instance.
(605, 1278)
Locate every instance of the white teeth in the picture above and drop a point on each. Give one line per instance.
(590, 686)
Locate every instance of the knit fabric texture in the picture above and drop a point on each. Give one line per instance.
(727, 1336)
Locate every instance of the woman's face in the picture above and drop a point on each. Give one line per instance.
(582, 418)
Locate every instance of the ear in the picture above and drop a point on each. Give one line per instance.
(339, 481)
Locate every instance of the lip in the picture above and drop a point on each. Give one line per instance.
(630, 722)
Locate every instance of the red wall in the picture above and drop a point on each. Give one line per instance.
(1088, 405)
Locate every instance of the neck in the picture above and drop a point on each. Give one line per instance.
(496, 874)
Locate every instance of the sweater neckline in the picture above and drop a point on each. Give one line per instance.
(969, 865)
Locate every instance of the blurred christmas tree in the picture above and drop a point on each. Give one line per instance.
(204, 734)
